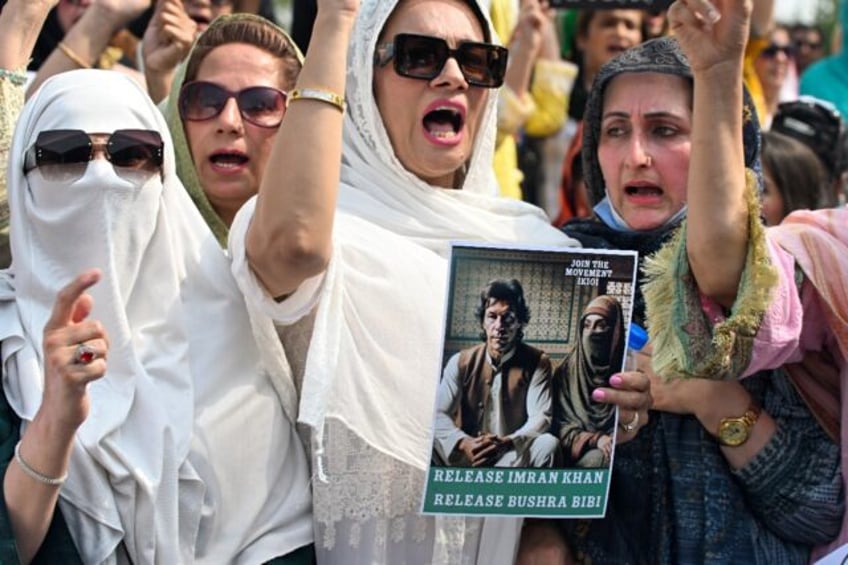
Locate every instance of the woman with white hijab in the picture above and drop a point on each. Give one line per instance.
(189, 453)
(359, 291)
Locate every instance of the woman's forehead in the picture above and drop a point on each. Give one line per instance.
(451, 19)
(661, 91)
(89, 110)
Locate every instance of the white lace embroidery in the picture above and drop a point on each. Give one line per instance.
(371, 503)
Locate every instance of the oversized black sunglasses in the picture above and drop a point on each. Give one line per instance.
(138, 149)
(262, 106)
(424, 57)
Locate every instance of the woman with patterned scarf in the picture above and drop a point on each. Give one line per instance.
(777, 298)
(724, 472)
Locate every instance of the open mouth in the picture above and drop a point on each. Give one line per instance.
(643, 190)
(615, 50)
(229, 159)
(444, 122)
(201, 20)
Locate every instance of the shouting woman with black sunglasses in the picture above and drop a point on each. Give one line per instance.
(346, 247)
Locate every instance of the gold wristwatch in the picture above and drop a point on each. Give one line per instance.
(733, 432)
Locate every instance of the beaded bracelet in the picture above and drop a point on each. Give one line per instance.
(18, 78)
(320, 95)
(35, 475)
(72, 56)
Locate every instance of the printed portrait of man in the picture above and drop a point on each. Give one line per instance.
(494, 402)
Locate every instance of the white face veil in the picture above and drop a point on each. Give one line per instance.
(139, 230)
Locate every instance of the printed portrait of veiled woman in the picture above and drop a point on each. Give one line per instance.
(585, 427)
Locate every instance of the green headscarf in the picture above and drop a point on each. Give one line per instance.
(185, 164)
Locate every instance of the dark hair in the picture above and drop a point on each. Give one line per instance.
(804, 28)
(585, 17)
(818, 125)
(252, 30)
(798, 174)
(509, 291)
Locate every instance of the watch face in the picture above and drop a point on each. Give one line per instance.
(733, 432)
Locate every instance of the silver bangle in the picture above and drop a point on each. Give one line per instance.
(35, 475)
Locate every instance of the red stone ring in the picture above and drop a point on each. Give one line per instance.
(84, 354)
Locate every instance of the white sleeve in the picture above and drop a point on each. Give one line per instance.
(447, 435)
(294, 307)
(539, 406)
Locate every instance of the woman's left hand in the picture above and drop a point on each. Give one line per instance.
(631, 392)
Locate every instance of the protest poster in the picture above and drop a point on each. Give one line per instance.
(528, 334)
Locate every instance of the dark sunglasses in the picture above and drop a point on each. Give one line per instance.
(261, 106)
(138, 149)
(772, 50)
(799, 43)
(424, 57)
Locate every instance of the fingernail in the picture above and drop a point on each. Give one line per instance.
(599, 394)
(713, 15)
(616, 380)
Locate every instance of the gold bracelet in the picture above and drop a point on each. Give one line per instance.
(72, 56)
(320, 95)
(33, 474)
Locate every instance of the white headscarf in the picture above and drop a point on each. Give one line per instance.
(59, 229)
(373, 360)
(394, 231)
(166, 286)
(375, 186)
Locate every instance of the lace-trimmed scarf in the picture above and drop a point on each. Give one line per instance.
(374, 359)
(380, 197)
(672, 498)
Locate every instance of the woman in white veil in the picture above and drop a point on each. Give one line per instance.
(359, 290)
(189, 452)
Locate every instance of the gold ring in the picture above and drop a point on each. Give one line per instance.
(631, 425)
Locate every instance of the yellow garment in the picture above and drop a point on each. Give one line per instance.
(749, 75)
(11, 102)
(541, 114)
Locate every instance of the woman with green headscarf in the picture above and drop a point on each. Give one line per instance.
(225, 107)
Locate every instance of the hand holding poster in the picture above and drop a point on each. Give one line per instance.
(516, 431)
